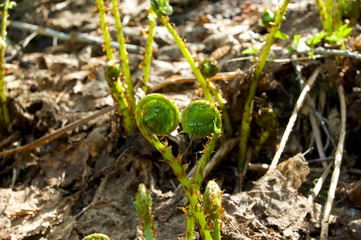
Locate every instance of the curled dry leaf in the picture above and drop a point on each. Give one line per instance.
(295, 170)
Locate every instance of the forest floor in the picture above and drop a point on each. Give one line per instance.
(84, 179)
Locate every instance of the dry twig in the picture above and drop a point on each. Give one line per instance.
(293, 117)
(56, 134)
(79, 37)
(336, 170)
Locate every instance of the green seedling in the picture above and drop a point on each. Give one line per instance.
(149, 49)
(5, 119)
(96, 236)
(156, 115)
(314, 40)
(266, 119)
(339, 36)
(248, 106)
(295, 43)
(251, 50)
(123, 89)
(268, 18)
(331, 12)
(330, 15)
(162, 9)
(143, 206)
(112, 76)
(212, 204)
(209, 67)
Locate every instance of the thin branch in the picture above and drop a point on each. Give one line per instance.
(312, 115)
(57, 133)
(316, 190)
(334, 52)
(293, 117)
(79, 37)
(338, 161)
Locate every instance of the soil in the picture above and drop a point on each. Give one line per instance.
(84, 179)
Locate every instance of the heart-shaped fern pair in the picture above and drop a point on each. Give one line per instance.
(157, 114)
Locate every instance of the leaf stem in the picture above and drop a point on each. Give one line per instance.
(4, 111)
(248, 106)
(103, 26)
(143, 206)
(124, 57)
(112, 76)
(148, 49)
(195, 210)
(187, 55)
(207, 152)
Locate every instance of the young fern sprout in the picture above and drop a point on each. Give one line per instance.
(122, 91)
(96, 236)
(112, 76)
(266, 119)
(156, 115)
(200, 119)
(209, 67)
(245, 128)
(163, 9)
(212, 204)
(143, 206)
(149, 49)
(5, 118)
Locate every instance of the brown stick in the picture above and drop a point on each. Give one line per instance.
(58, 133)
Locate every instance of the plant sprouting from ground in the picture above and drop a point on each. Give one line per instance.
(5, 119)
(157, 115)
(248, 106)
(143, 206)
(96, 236)
(163, 9)
(212, 204)
(119, 79)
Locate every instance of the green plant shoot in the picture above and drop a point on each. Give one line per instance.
(162, 9)
(5, 119)
(213, 207)
(96, 236)
(124, 58)
(149, 48)
(248, 106)
(143, 206)
(122, 92)
(157, 115)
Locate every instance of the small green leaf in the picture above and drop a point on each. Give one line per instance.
(161, 7)
(268, 18)
(281, 35)
(316, 39)
(339, 36)
(295, 42)
(251, 50)
(152, 16)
